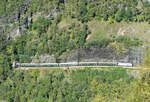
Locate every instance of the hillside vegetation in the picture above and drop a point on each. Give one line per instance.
(83, 85)
(30, 28)
(83, 10)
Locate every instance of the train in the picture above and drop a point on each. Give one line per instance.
(69, 64)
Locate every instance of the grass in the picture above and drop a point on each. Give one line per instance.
(67, 22)
(139, 30)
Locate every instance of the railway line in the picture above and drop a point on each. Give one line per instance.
(72, 65)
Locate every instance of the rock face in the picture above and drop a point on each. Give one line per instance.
(124, 31)
(44, 59)
(47, 59)
(135, 74)
(16, 23)
(14, 33)
(94, 54)
(97, 54)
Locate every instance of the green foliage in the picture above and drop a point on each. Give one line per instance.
(128, 42)
(125, 41)
(41, 25)
(101, 43)
(5, 57)
(58, 85)
(79, 85)
(143, 88)
(4, 67)
(128, 15)
(120, 15)
(45, 34)
(146, 59)
(123, 14)
(83, 10)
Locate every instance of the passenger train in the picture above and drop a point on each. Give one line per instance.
(17, 65)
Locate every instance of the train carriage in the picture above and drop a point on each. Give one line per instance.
(73, 64)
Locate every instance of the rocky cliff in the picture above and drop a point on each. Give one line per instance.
(69, 29)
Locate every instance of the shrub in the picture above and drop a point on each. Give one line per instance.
(146, 59)
(41, 25)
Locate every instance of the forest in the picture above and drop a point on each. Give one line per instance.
(82, 85)
(57, 26)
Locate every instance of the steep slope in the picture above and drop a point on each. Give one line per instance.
(30, 29)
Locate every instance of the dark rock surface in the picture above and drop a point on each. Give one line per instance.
(97, 54)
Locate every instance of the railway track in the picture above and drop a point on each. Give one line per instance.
(75, 65)
(81, 67)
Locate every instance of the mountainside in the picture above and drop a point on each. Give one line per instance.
(56, 30)
(53, 31)
(18, 15)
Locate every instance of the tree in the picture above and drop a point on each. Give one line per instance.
(5, 66)
(41, 25)
(146, 60)
(128, 15)
(120, 15)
